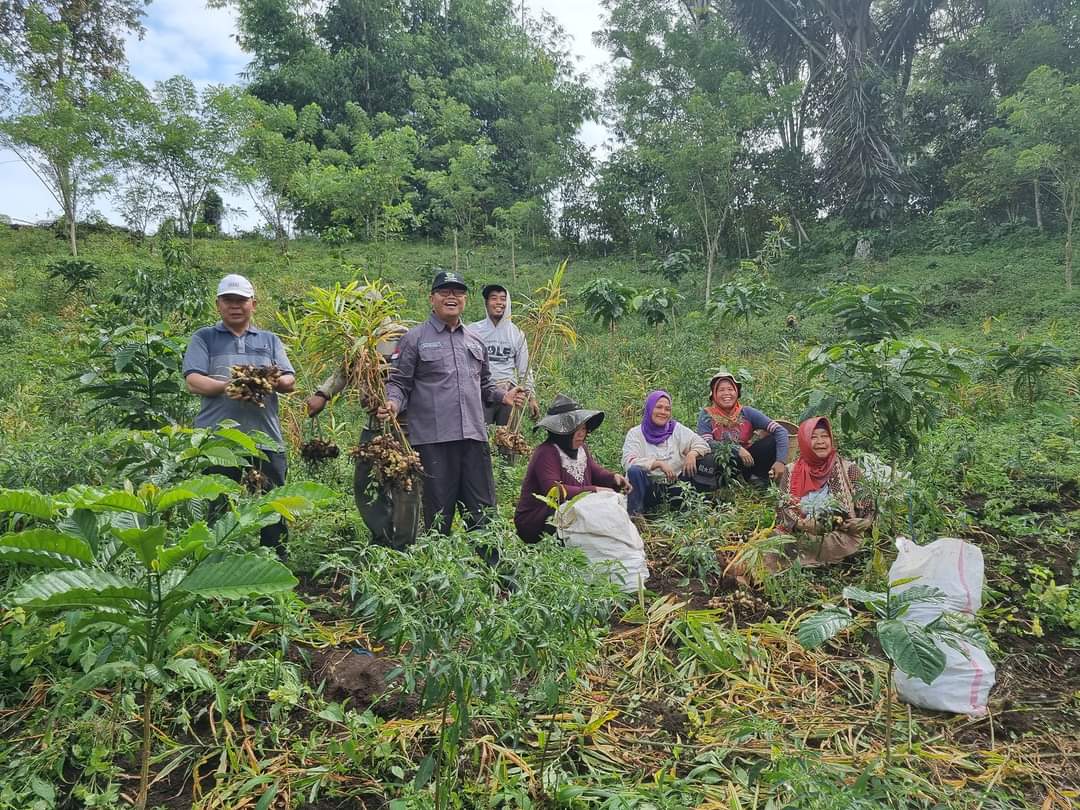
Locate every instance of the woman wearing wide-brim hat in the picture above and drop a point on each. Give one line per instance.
(727, 421)
(563, 463)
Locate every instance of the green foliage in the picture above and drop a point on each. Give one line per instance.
(177, 564)
(1058, 606)
(137, 374)
(179, 294)
(674, 265)
(77, 273)
(607, 300)
(887, 393)
(747, 296)
(657, 306)
(870, 314)
(1030, 364)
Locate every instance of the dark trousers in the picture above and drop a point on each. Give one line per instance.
(457, 473)
(764, 453)
(497, 414)
(647, 492)
(275, 468)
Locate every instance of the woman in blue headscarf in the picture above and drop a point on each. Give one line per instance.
(657, 453)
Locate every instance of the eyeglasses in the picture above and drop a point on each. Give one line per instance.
(450, 293)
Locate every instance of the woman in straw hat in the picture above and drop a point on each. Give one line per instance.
(561, 463)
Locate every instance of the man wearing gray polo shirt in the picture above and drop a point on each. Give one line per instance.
(440, 374)
(234, 341)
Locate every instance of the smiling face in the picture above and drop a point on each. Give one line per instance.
(578, 437)
(821, 442)
(496, 305)
(661, 412)
(448, 303)
(725, 394)
(235, 311)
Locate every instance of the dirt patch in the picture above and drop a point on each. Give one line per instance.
(657, 714)
(362, 679)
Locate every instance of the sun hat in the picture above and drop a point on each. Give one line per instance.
(724, 374)
(234, 284)
(565, 416)
(448, 278)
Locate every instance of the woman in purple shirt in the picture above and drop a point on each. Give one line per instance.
(561, 463)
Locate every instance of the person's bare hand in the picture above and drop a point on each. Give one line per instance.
(386, 411)
(515, 397)
(666, 469)
(690, 463)
(534, 409)
(776, 470)
(623, 484)
(745, 457)
(315, 404)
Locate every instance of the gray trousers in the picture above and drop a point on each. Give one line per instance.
(457, 473)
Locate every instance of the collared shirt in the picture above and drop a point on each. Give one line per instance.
(212, 350)
(441, 376)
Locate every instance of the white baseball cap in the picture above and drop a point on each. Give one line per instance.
(234, 284)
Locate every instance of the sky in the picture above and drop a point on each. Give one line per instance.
(200, 45)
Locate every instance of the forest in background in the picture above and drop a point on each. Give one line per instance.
(459, 119)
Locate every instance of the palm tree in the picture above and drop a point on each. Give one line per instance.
(847, 53)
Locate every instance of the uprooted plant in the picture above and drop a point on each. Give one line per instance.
(350, 329)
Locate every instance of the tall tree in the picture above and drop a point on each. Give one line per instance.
(70, 97)
(1045, 114)
(855, 57)
(186, 140)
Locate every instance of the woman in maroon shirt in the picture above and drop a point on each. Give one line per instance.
(562, 463)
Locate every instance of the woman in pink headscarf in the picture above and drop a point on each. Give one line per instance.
(657, 453)
(832, 528)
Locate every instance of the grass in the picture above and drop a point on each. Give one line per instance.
(655, 717)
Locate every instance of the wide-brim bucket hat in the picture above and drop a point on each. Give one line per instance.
(724, 374)
(565, 416)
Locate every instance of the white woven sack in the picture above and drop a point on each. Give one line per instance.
(954, 567)
(597, 523)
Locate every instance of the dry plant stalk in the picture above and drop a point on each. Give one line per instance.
(350, 327)
(549, 332)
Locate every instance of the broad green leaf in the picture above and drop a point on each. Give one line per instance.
(145, 542)
(866, 597)
(81, 523)
(196, 531)
(194, 673)
(899, 602)
(823, 625)
(234, 576)
(87, 588)
(239, 438)
(46, 548)
(424, 772)
(205, 487)
(956, 629)
(106, 673)
(288, 506)
(317, 494)
(120, 500)
(168, 557)
(26, 502)
(911, 649)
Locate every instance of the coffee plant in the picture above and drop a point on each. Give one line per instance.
(606, 301)
(1029, 363)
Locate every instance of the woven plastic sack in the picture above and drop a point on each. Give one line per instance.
(954, 567)
(597, 523)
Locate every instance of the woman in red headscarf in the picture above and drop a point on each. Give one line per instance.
(833, 519)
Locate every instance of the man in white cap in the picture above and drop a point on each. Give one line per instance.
(234, 341)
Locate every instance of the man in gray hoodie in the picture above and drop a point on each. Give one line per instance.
(507, 352)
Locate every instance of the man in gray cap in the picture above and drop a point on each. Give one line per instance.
(441, 375)
(234, 341)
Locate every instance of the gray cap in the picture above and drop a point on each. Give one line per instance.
(565, 416)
